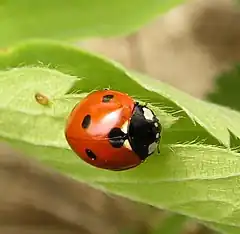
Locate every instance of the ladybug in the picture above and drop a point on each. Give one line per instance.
(109, 130)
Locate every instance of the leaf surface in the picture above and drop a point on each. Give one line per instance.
(197, 172)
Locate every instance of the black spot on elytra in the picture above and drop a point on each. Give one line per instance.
(117, 137)
(90, 154)
(86, 121)
(107, 98)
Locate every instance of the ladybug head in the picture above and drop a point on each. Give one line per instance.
(144, 131)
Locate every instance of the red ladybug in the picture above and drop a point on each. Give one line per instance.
(109, 130)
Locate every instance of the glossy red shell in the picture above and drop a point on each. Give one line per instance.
(104, 117)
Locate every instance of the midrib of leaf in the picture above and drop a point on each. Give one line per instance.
(209, 162)
(28, 127)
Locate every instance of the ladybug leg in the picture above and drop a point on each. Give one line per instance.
(158, 146)
(158, 149)
(107, 88)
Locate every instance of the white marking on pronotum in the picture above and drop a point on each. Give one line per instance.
(157, 135)
(148, 114)
(125, 127)
(152, 148)
(156, 124)
(127, 145)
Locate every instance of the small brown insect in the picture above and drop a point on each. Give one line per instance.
(42, 99)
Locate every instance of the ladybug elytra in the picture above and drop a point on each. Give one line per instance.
(109, 130)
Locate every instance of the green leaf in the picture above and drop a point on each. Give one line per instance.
(226, 90)
(172, 224)
(207, 115)
(197, 172)
(106, 74)
(55, 19)
(20, 105)
(224, 229)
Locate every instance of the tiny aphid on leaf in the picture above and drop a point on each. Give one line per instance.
(42, 99)
(109, 130)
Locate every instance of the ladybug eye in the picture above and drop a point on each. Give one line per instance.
(107, 98)
(90, 154)
(86, 121)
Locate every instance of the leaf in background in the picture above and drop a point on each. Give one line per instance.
(201, 181)
(172, 224)
(28, 19)
(226, 90)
